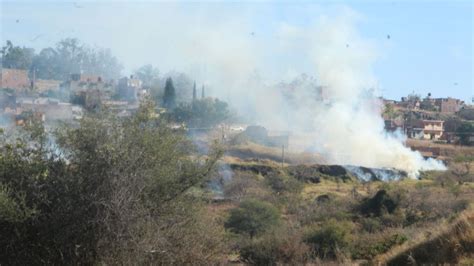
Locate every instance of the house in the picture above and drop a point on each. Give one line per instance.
(16, 79)
(129, 88)
(448, 105)
(426, 129)
(43, 85)
(51, 110)
(81, 82)
(433, 129)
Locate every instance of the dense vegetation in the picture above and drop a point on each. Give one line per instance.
(109, 190)
(69, 56)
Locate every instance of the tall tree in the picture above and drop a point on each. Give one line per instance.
(202, 92)
(16, 56)
(148, 75)
(169, 97)
(194, 91)
(71, 56)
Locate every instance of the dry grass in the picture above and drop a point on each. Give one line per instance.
(445, 234)
(255, 151)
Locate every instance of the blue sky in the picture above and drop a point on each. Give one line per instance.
(430, 48)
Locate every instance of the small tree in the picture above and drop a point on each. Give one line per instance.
(465, 132)
(169, 98)
(252, 217)
(330, 240)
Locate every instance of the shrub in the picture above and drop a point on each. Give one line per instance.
(368, 250)
(243, 185)
(371, 225)
(281, 183)
(381, 203)
(275, 247)
(252, 217)
(331, 240)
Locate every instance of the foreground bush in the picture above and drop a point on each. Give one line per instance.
(253, 217)
(275, 247)
(109, 191)
(331, 240)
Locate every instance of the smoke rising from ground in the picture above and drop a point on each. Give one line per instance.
(344, 119)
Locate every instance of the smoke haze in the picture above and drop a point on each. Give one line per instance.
(261, 77)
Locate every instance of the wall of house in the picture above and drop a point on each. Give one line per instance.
(433, 126)
(14, 79)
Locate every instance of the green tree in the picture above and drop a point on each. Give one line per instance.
(71, 56)
(253, 217)
(169, 97)
(16, 56)
(465, 132)
(148, 75)
(202, 113)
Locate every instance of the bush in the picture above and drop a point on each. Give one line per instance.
(252, 217)
(380, 204)
(245, 185)
(331, 240)
(111, 191)
(368, 250)
(371, 225)
(275, 247)
(280, 183)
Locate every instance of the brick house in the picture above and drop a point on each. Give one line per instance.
(16, 79)
(448, 105)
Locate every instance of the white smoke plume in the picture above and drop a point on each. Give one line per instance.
(346, 125)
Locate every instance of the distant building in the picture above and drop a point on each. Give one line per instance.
(426, 129)
(50, 110)
(43, 85)
(16, 79)
(129, 88)
(81, 82)
(448, 105)
(89, 90)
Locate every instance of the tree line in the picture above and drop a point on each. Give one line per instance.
(68, 56)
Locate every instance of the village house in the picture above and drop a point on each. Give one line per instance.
(426, 129)
(448, 105)
(51, 110)
(129, 88)
(44, 85)
(16, 79)
(78, 82)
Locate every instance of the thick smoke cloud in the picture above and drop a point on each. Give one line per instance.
(341, 122)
